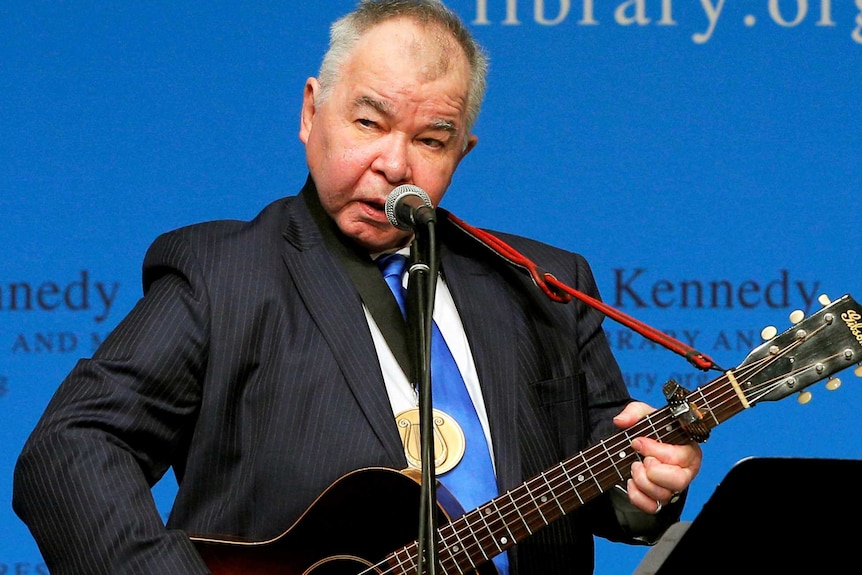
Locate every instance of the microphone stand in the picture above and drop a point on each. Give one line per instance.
(424, 263)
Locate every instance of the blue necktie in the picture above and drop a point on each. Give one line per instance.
(472, 481)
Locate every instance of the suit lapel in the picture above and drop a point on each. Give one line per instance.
(334, 305)
(485, 309)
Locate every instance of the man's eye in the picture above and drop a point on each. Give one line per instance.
(433, 143)
(366, 123)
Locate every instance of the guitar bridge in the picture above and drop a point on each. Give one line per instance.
(688, 414)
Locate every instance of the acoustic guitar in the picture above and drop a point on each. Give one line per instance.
(347, 532)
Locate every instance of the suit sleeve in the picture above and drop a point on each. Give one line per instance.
(113, 428)
(608, 395)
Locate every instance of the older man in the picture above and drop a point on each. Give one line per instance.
(258, 365)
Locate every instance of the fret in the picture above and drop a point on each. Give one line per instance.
(535, 503)
(477, 539)
(553, 495)
(572, 483)
(633, 454)
(671, 430)
(512, 537)
(628, 456)
(482, 514)
(456, 548)
(611, 459)
(707, 408)
(407, 564)
(587, 463)
(518, 511)
(648, 421)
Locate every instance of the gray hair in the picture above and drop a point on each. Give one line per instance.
(346, 31)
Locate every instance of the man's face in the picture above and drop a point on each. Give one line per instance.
(395, 116)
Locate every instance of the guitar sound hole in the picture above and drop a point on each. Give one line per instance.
(342, 565)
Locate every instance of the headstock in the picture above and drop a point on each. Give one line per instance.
(813, 349)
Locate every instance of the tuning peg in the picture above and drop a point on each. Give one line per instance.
(824, 299)
(803, 397)
(796, 316)
(833, 383)
(768, 332)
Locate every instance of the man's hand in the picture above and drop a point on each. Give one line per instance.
(664, 470)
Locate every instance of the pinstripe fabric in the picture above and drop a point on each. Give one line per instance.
(249, 368)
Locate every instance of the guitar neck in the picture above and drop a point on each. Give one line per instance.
(476, 537)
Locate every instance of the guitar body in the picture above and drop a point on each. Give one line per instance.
(349, 529)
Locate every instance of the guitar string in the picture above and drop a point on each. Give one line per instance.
(469, 553)
(445, 537)
(729, 395)
(719, 401)
(550, 477)
(662, 423)
(666, 424)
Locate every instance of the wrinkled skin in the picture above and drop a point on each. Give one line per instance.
(396, 116)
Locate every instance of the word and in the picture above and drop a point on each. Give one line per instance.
(59, 342)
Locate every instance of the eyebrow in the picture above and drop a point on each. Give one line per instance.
(379, 106)
(444, 125)
(384, 109)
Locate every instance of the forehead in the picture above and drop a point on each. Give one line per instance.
(401, 58)
(428, 46)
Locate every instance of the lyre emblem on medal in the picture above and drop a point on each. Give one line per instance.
(449, 443)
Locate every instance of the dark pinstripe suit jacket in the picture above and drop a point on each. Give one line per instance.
(248, 366)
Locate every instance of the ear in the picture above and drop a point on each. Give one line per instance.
(472, 140)
(306, 118)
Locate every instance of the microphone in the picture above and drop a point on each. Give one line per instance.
(408, 207)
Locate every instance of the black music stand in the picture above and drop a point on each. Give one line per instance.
(771, 515)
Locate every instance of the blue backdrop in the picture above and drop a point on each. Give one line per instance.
(671, 143)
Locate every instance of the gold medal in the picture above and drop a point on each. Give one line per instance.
(449, 443)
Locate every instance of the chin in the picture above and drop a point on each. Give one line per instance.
(373, 236)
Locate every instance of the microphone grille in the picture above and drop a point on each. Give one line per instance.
(396, 194)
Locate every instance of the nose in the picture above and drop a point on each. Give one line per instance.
(392, 159)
